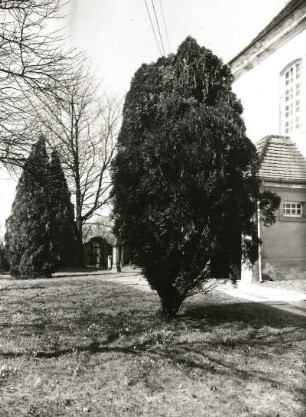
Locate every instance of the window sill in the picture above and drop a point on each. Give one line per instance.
(292, 219)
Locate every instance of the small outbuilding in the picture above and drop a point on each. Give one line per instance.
(269, 78)
(98, 244)
(98, 253)
(101, 248)
(283, 171)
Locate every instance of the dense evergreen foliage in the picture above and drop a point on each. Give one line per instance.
(184, 178)
(36, 236)
(64, 230)
(28, 229)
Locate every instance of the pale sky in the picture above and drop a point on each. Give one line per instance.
(117, 34)
(117, 37)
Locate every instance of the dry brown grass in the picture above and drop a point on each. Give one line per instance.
(79, 346)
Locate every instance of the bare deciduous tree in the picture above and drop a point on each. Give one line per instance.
(82, 126)
(103, 228)
(31, 60)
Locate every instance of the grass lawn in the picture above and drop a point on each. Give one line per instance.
(78, 346)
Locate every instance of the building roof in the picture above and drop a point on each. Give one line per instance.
(280, 160)
(282, 15)
(100, 229)
(290, 21)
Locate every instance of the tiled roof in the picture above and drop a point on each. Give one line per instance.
(280, 160)
(102, 229)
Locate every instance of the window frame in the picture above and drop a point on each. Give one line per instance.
(290, 207)
(291, 97)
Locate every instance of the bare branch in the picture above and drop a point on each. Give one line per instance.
(83, 128)
(32, 60)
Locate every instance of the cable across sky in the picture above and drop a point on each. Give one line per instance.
(157, 27)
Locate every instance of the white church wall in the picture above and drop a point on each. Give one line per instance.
(259, 92)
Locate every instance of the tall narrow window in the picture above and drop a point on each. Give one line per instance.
(291, 98)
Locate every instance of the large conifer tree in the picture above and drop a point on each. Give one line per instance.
(185, 187)
(28, 229)
(41, 234)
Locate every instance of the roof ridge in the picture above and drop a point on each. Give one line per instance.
(265, 141)
(289, 8)
(281, 159)
(286, 11)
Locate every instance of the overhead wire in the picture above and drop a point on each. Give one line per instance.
(165, 26)
(155, 36)
(158, 28)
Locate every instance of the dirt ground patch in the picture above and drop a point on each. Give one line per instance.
(76, 346)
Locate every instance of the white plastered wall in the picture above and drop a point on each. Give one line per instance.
(259, 91)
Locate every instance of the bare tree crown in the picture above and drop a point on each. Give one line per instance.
(31, 60)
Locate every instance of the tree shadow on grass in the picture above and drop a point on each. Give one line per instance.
(234, 341)
(133, 323)
(254, 314)
(211, 337)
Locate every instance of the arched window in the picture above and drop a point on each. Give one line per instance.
(291, 98)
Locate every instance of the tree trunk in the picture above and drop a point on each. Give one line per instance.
(78, 194)
(171, 301)
(79, 225)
